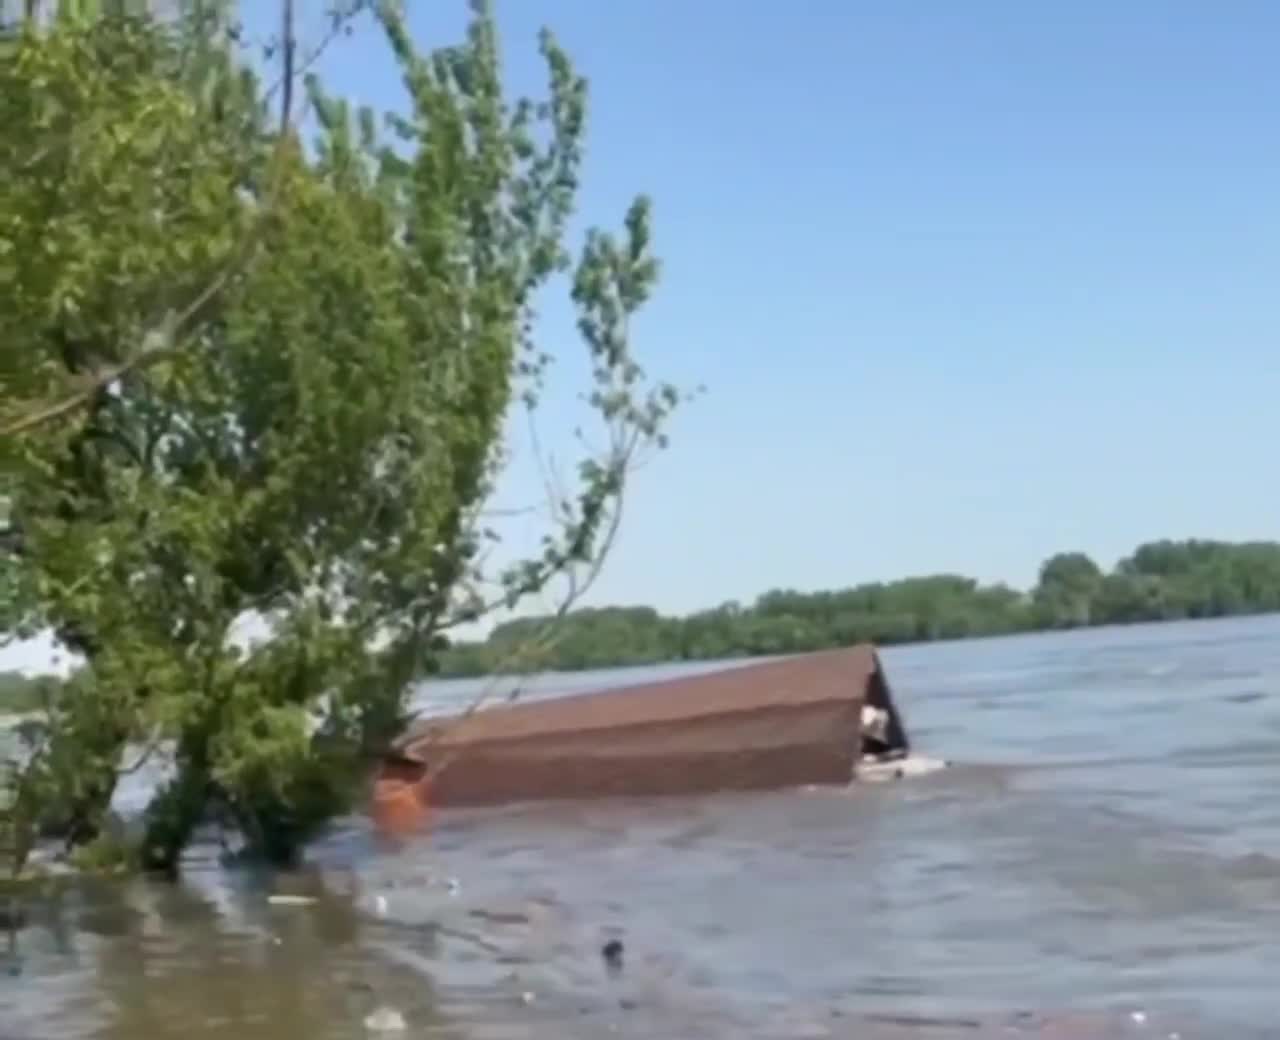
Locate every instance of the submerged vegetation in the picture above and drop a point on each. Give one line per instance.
(252, 373)
(1160, 581)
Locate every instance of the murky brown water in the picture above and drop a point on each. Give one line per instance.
(1104, 862)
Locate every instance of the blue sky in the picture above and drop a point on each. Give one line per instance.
(966, 283)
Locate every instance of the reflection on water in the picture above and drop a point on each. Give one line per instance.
(1108, 845)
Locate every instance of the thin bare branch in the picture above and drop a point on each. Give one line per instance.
(549, 634)
(289, 45)
(341, 20)
(164, 342)
(506, 512)
(153, 745)
(551, 630)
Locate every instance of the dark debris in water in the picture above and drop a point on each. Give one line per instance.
(612, 953)
(13, 916)
(925, 1021)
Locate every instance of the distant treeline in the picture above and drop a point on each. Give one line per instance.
(1160, 581)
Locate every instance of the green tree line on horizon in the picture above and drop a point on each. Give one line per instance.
(1160, 581)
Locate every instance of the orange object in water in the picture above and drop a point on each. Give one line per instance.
(400, 802)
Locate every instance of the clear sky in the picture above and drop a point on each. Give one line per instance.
(966, 283)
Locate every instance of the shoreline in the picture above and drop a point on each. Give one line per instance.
(445, 675)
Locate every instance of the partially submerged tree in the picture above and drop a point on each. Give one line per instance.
(251, 376)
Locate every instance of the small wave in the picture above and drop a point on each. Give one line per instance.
(1254, 866)
(1245, 697)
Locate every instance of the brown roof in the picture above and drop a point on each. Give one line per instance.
(826, 676)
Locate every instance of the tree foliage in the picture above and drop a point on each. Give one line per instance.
(1161, 581)
(248, 376)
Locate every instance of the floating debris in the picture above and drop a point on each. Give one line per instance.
(284, 900)
(901, 768)
(384, 1020)
(612, 953)
(817, 718)
(12, 919)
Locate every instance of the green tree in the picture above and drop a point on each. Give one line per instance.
(244, 379)
(1068, 584)
(1160, 581)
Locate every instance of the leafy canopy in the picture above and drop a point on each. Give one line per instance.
(251, 376)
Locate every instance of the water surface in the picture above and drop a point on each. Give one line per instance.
(1104, 860)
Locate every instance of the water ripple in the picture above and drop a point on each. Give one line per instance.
(1107, 846)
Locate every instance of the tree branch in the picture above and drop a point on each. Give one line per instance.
(289, 45)
(148, 355)
(173, 330)
(550, 631)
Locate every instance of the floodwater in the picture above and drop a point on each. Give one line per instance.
(1102, 861)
